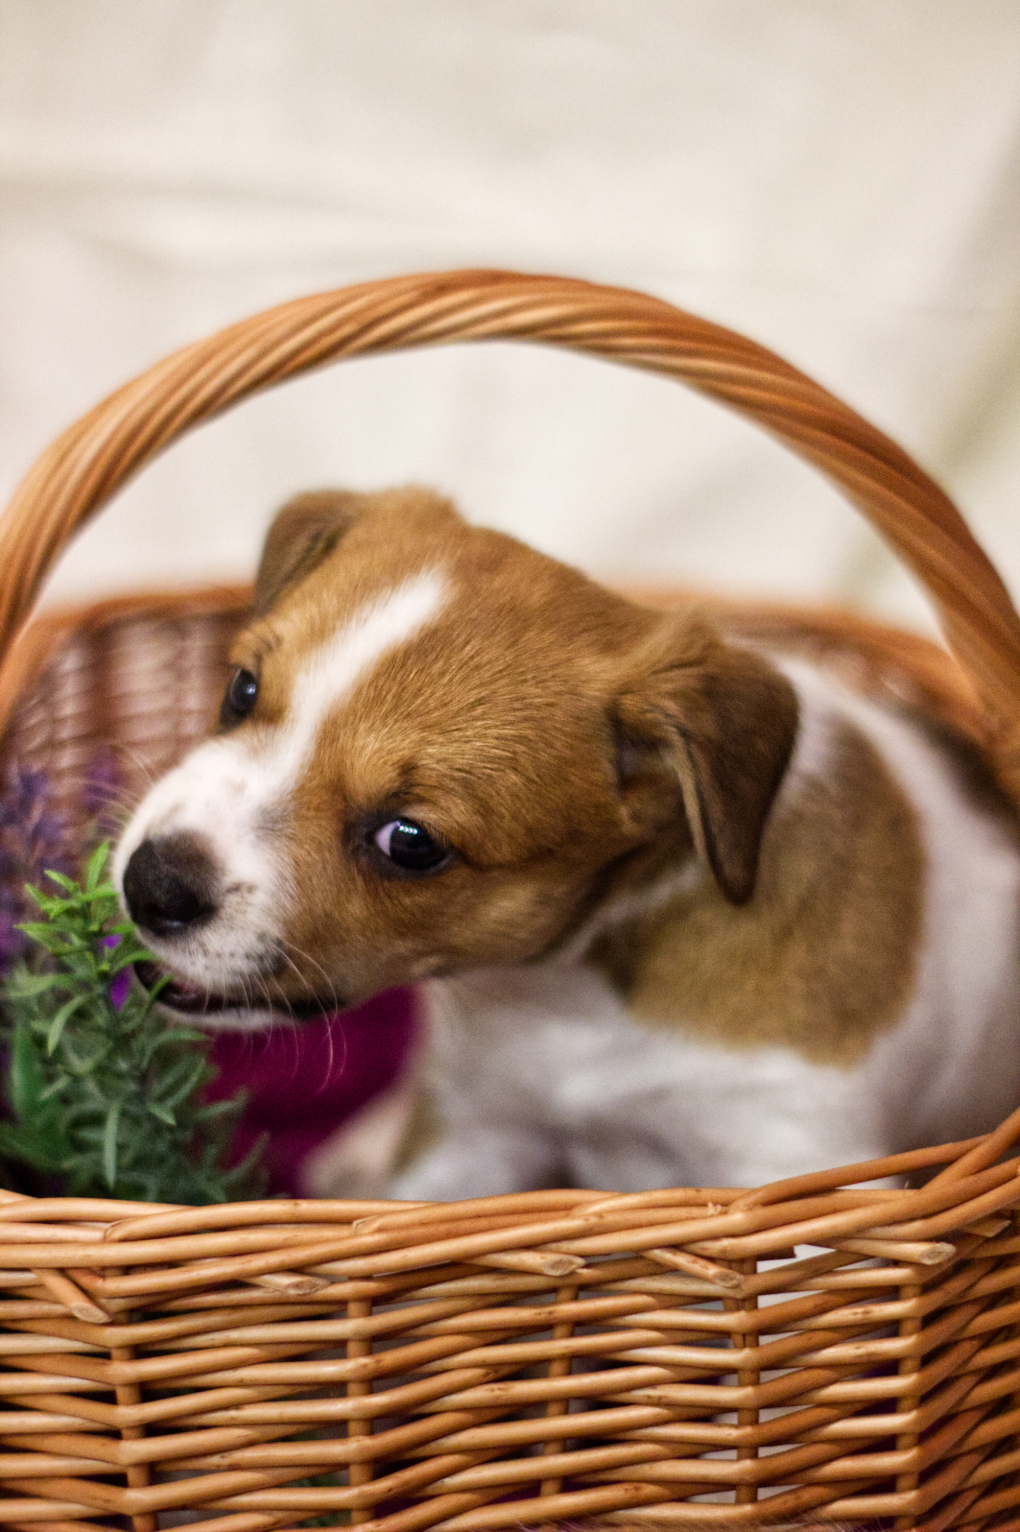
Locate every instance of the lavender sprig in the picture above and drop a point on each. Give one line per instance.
(33, 837)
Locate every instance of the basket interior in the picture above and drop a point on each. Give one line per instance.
(126, 687)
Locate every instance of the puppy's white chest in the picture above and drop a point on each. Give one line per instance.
(556, 1042)
(552, 1051)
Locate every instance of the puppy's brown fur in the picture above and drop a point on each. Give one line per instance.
(824, 958)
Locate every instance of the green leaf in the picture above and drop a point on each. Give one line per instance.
(62, 880)
(124, 955)
(121, 927)
(172, 1038)
(110, 1145)
(96, 866)
(17, 1144)
(182, 1079)
(26, 1076)
(246, 1169)
(23, 985)
(61, 1019)
(81, 1067)
(211, 1110)
(55, 1087)
(52, 939)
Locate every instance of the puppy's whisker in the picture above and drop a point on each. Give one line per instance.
(271, 1005)
(330, 1070)
(142, 766)
(313, 962)
(306, 957)
(290, 1009)
(331, 1067)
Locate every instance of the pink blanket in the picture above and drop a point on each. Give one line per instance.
(303, 1081)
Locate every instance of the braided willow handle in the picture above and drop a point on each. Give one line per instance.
(84, 467)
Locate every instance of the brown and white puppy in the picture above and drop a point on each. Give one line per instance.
(684, 913)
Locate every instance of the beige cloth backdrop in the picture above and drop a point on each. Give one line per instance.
(838, 180)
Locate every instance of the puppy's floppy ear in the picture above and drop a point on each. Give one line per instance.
(304, 532)
(723, 721)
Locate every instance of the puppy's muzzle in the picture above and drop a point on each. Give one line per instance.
(170, 886)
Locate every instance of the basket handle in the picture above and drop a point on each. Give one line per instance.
(91, 460)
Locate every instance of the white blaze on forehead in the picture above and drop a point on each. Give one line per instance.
(223, 788)
(334, 670)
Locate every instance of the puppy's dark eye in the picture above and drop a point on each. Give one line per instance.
(410, 847)
(239, 698)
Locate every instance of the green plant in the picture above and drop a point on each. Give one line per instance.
(105, 1093)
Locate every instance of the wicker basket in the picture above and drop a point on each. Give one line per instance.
(805, 1352)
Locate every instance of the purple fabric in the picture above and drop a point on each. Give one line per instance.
(303, 1081)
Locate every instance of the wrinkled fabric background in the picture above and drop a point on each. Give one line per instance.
(839, 181)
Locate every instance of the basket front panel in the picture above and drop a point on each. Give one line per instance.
(327, 1363)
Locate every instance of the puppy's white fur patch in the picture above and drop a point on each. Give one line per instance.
(336, 668)
(227, 791)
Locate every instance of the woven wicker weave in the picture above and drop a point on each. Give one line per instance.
(665, 1356)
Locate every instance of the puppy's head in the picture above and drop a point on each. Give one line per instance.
(439, 750)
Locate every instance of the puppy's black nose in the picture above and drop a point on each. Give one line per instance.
(170, 885)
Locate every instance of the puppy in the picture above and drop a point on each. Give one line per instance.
(684, 911)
